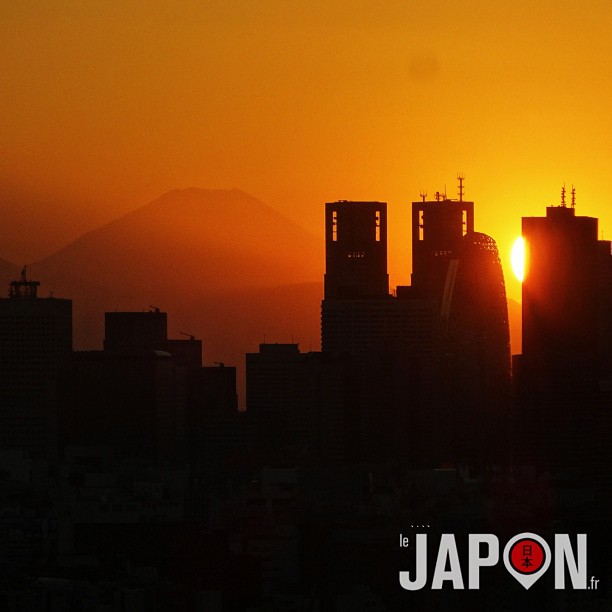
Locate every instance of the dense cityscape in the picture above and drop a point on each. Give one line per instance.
(132, 481)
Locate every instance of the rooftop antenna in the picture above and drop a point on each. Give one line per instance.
(190, 336)
(461, 178)
(563, 196)
(155, 308)
(423, 195)
(573, 197)
(438, 196)
(23, 288)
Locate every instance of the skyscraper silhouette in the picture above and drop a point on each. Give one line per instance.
(562, 375)
(389, 339)
(460, 270)
(560, 294)
(359, 315)
(475, 351)
(35, 349)
(435, 355)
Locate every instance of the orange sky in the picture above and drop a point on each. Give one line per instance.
(106, 105)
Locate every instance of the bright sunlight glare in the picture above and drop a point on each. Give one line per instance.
(517, 257)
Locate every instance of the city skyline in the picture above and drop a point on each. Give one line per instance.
(200, 205)
(400, 267)
(300, 103)
(284, 283)
(409, 410)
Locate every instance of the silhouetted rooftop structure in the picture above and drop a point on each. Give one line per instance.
(356, 250)
(24, 288)
(438, 228)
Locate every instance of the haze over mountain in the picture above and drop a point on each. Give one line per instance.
(190, 239)
(226, 268)
(37, 223)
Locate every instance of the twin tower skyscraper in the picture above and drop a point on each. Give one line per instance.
(434, 357)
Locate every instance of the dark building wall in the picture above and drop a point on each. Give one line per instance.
(215, 429)
(186, 352)
(35, 348)
(217, 386)
(560, 293)
(605, 312)
(135, 330)
(35, 342)
(131, 401)
(269, 379)
(359, 326)
(393, 343)
(304, 403)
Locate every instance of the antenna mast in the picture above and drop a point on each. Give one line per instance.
(563, 196)
(461, 178)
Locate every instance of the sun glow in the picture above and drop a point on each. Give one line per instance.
(517, 257)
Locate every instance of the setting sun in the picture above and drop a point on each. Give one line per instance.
(517, 258)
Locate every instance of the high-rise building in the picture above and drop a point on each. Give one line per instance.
(460, 270)
(448, 330)
(562, 379)
(359, 315)
(35, 348)
(389, 338)
(560, 293)
(475, 352)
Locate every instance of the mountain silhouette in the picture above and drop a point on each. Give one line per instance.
(226, 267)
(187, 239)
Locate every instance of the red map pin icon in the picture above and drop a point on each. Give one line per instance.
(527, 556)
